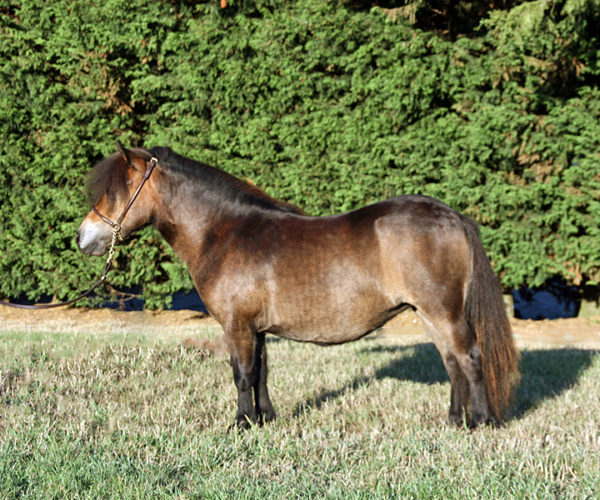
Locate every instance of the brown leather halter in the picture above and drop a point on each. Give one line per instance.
(116, 235)
(117, 225)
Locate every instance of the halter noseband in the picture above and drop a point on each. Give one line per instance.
(116, 226)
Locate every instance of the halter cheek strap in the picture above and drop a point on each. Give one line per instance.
(117, 225)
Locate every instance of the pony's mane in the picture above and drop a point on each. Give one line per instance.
(110, 177)
(220, 182)
(107, 177)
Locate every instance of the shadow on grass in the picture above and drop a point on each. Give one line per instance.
(545, 374)
(422, 365)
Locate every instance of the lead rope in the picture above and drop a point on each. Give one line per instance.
(116, 235)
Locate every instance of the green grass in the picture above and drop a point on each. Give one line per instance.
(135, 416)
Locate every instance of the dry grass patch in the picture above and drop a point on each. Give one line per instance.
(136, 416)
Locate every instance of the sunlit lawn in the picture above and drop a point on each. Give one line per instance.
(135, 416)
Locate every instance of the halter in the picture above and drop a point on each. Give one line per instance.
(116, 235)
(116, 226)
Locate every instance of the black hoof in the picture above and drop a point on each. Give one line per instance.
(266, 417)
(459, 420)
(483, 421)
(241, 424)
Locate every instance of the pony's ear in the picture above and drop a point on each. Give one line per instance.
(135, 157)
(125, 152)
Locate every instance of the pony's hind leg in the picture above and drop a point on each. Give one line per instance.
(460, 394)
(462, 359)
(470, 363)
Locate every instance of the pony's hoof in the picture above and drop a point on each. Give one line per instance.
(241, 424)
(488, 421)
(459, 421)
(266, 417)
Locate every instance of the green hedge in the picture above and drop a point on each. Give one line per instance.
(329, 105)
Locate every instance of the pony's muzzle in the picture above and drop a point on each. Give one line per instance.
(93, 238)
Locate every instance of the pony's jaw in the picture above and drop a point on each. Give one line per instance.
(93, 238)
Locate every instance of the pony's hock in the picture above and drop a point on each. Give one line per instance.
(261, 266)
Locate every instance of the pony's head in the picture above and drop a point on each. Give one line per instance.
(112, 185)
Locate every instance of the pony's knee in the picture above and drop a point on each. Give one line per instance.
(244, 374)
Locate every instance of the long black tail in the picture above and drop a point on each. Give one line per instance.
(486, 315)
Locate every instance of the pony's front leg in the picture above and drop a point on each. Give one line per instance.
(264, 408)
(245, 375)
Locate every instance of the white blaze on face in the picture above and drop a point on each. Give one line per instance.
(93, 237)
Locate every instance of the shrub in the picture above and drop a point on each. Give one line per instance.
(326, 105)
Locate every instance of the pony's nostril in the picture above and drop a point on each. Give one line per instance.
(77, 236)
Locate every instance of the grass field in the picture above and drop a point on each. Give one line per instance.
(136, 416)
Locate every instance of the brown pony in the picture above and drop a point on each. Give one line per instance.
(261, 267)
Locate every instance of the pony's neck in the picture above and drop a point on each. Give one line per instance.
(195, 219)
(180, 212)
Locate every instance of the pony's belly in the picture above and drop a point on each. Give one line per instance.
(332, 327)
(337, 303)
(320, 337)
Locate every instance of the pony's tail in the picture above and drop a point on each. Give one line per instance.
(486, 315)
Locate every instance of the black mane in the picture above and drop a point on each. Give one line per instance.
(219, 181)
(110, 177)
(107, 177)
